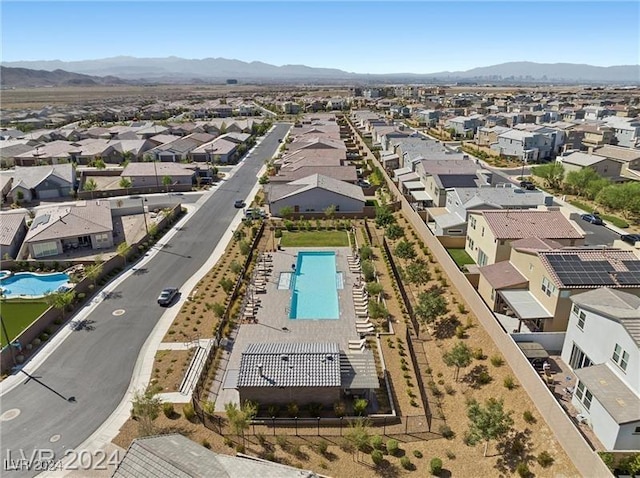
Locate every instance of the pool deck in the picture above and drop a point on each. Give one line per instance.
(273, 323)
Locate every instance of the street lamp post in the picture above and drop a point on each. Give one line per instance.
(144, 215)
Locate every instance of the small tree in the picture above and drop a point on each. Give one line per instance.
(384, 216)
(405, 250)
(93, 272)
(459, 356)
(552, 173)
(393, 232)
(146, 408)
(123, 250)
(358, 434)
(330, 212)
(489, 422)
(125, 183)
(286, 212)
(240, 418)
(60, 300)
(417, 272)
(359, 406)
(90, 185)
(368, 271)
(166, 182)
(430, 306)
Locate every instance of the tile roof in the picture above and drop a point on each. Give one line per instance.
(616, 304)
(519, 224)
(151, 168)
(502, 274)
(342, 173)
(175, 456)
(615, 261)
(618, 152)
(31, 176)
(10, 223)
(81, 218)
(613, 394)
(582, 159)
(343, 188)
(535, 244)
(290, 365)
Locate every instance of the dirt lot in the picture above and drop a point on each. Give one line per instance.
(169, 368)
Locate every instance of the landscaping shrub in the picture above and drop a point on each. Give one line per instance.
(435, 466)
(446, 432)
(478, 354)
(167, 409)
(292, 409)
(523, 470)
(508, 382)
(314, 409)
(528, 417)
(322, 446)
(376, 442)
(377, 457)
(417, 453)
(497, 360)
(340, 409)
(406, 463)
(545, 459)
(273, 410)
(392, 446)
(189, 412)
(205, 443)
(282, 442)
(451, 455)
(240, 448)
(366, 253)
(459, 332)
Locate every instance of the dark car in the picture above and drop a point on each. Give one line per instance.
(630, 238)
(239, 203)
(528, 185)
(167, 295)
(593, 219)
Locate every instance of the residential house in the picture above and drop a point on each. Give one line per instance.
(625, 130)
(465, 125)
(152, 174)
(428, 117)
(13, 228)
(315, 193)
(451, 220)
(524, 145)
(554, 275)
(11, 148)
(605, 167)
(174, 455)
(43, 182)
(629, 158)
(178, 150)
(488, 136)
(490, 233)
(596, 135)
(58, 229)
(602, 347)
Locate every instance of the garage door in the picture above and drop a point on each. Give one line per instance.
(49, 194)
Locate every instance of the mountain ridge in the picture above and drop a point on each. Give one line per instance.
(219, 69)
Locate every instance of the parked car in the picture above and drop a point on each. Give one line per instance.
(364, 184)
(255, 213)
(630, 238)
(528, 185)
(239, 203)
(167, 295)
(593, 219)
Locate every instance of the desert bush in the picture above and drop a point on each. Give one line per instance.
(528, 417)
(545, 459)
(446, 432)
(417, 453)
(322, 447)
(392, 446)
(459, 332)
(376, 442)
(497, 360)
(340, 409)
(435, 466)
(167, 409)
(293, 409)
(478, 354)
(509, 383)
(189, 412)
(451, 455)
(523, 470)
(405, 461)
(377, 457)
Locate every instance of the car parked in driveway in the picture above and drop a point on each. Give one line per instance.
(630, 238)
(528, 185)
(593, 219)
(167, 295)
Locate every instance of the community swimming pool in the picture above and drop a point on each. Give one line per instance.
(29, 284)
(315, 286)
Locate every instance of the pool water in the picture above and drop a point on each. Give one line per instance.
(315, 291)
(32, 285)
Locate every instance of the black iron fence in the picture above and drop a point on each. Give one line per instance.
(398, 279)
(200, 386)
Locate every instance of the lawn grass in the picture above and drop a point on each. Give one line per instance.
(17, 316)
(461, 257)
(616, 221)
(314, 239)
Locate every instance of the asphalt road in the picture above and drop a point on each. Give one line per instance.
(595, 235)
(95, 365)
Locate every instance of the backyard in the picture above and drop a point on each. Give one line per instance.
(17, 315)
(460, 257)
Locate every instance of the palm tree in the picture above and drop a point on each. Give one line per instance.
(90, 185)
(125, 183)
(166, 182)
(60, 300)
(123, 251)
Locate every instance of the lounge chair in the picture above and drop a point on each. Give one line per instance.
(364, 330)
(364, 322)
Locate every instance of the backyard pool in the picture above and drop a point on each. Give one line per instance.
(29, 284)
(315, 286)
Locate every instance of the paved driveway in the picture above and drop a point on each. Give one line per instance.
(595, 235)
(94, 366)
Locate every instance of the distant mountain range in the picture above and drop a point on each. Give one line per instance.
(180, 70)
(24, 77)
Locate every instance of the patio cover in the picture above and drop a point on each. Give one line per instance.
(525, 305)
(533, 350)
(413, 185)
(408, 177)
(421, 196)
(401, 171)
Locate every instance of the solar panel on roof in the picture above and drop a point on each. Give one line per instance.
(632, 265)
(628, 278)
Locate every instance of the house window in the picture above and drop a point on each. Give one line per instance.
(584, 395)
(45, 249)
(547, 287)
(620, 357)
(471, 244)
(581, 316)
(482, 232)
(578, 358)
(100, 238)
(472, 222)
(482, 258)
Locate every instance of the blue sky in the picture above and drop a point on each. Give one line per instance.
(359, 36)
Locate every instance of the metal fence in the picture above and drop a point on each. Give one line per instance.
(199, 389)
